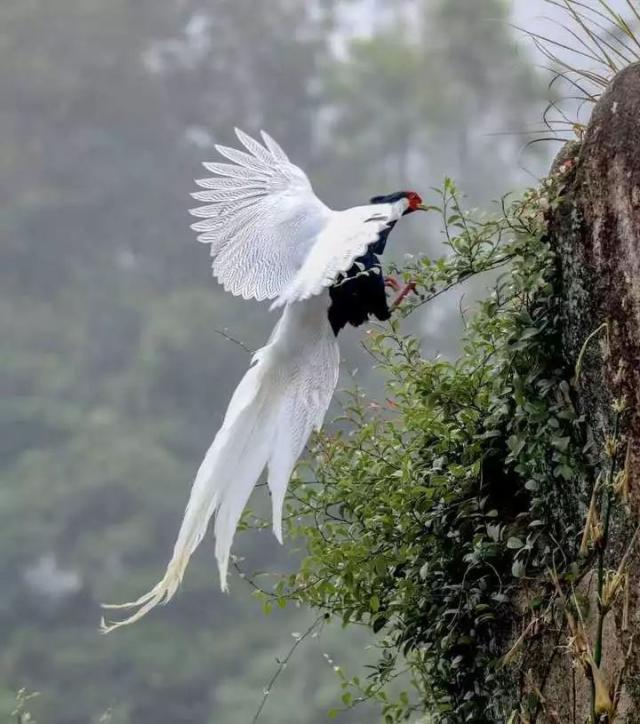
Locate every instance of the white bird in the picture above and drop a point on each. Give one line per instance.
(272, 238)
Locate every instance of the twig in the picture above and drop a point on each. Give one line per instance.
(583, 350)
(228, 337)
(283, 664)
(597, 654)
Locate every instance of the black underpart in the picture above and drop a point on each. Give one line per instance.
(360, 293)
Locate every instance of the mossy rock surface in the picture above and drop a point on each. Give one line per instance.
(596, 230)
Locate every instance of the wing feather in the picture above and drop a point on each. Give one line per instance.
(228, 183)
(254, 147)
(275, 148)
(228, 169)
(226, 194)
(243, 159)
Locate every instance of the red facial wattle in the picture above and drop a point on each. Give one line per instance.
(415, 201)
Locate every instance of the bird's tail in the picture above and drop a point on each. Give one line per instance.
(280, 400)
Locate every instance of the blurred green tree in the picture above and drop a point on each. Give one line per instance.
(113, 376)
(430, 93)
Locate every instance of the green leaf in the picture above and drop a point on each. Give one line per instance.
(379, 623)
(529, 333)
(561, 443)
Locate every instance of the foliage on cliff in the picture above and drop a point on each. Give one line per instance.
(423, 515)
(490, 495)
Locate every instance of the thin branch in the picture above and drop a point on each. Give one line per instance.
(228, 337)
(282, 664)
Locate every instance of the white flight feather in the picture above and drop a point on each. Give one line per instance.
(279, 401)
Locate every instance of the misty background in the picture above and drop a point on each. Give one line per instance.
(114, 375)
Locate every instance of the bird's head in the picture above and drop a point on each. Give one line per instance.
(414, 199)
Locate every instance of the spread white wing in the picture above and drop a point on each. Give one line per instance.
(271, 237)
(261, 218)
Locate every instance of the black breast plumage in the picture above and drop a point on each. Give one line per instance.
(360, 293)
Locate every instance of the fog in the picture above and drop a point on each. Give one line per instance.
(115, 360)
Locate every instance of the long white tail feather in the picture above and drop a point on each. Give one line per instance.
(279, 401)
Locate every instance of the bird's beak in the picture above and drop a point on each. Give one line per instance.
(422, 207)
